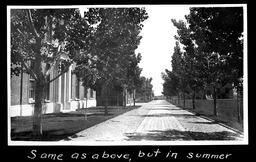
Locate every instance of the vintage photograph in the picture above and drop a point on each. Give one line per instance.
(127, 75)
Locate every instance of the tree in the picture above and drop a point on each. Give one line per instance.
(146, 89)
(133, 75)
(171, 83)
(41, 40)
(192, 69)
(213, 42)
(218, 35)
(174, 80)
(179, 70)
(179, 73)
(113, 44)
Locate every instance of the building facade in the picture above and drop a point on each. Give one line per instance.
(64, 94)
(117, 97)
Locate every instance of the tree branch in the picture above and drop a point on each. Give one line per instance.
(56, 60)
(52, 66)
(29, 70)
(50, 69)
(26, 67)
(67, 68)
(21, 33)
(32, 24)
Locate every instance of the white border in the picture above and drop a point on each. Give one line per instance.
(125, 6)
(245, 82)
(8, 75)
(132, 143)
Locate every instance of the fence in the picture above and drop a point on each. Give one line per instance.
(227, 109)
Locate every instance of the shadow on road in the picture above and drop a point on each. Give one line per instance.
(165, 109)
(213, 122)
(49, 135)
(167, 115)
(176, 135)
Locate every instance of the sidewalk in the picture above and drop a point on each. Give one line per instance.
(115, 128)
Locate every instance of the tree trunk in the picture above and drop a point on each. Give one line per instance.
(238, 110)
(134, 91)
(106, 106)
(37, 117)
(193, 99)
(238, 105)
(184, 99)
(124, 97)
(178, 98)
(105, 92)
(86, 103)
(21, 89)
(117, 104)
(214, 101)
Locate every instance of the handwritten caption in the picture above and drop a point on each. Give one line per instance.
(141, 154)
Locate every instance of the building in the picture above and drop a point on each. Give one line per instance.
(62, 95)
(117, 97)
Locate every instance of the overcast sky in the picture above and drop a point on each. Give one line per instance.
(157, 43)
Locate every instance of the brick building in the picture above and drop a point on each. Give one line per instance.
(62, 95)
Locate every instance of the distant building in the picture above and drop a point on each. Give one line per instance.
(161, 97)
(118, 97)
(62, 95)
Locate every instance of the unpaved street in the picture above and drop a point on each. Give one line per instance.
(157, 120)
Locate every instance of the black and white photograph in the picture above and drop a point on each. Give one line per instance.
(118, 75)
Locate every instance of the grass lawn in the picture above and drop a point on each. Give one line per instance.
(59, 126)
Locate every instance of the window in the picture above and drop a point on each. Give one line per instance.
(77, 88)
(31, 84)
(31, 90)
(85, 92)
(72, 75)
(91, 93)
(47, 89)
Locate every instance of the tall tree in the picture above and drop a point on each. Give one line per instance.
(218, 32)
(146, 89)
(171, 84)
(113, 44)
(213, 45)
(175, 80)
(133, 75)
(191, 57)
(41, 40)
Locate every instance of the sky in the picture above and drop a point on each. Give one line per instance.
(157, 43)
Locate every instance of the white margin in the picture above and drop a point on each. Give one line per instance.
(245, 72)
(8, 75)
